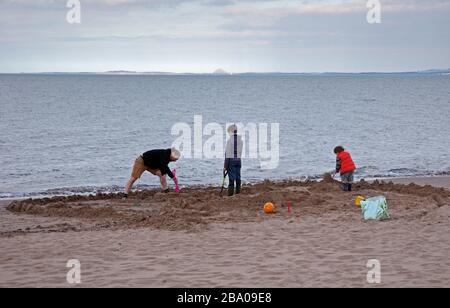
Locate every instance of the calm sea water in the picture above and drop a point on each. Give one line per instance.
(66, 134)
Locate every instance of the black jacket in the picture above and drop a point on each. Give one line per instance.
(159, 160)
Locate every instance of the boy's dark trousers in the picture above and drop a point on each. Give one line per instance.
(234, 175)
(346, 187)
(347, 180)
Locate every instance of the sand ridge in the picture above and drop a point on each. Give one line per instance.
(194, 209)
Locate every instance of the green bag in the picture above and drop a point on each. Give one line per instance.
(375, 209)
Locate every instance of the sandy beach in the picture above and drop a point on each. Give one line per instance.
(197, 239)
(332, 113)
(436, 181)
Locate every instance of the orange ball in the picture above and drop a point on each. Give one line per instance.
(269, 208)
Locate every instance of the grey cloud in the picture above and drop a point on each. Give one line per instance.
(242, 34)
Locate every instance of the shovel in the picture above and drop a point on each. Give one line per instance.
(225, 173)
(175, 179)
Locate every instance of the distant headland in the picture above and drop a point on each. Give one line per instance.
(222, 72)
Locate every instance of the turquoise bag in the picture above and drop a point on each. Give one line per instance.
(375, 209)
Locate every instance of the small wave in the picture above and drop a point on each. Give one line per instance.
(443, 173)
(70, 191)
(398, 172)
(18, 175)
(402, 170)
(9, 195)
(80, 190)
(369, 100)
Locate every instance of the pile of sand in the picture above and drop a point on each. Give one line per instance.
(195, 208)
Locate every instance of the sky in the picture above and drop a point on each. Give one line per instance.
(201, 36)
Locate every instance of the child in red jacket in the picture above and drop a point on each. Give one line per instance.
(345, 166)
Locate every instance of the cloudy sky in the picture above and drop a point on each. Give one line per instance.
(237, 35)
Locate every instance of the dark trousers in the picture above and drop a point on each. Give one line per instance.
(347, 181)
(234, 175)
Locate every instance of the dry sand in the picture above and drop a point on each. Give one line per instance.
(197, 239)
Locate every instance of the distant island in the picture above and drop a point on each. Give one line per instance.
(222, 72)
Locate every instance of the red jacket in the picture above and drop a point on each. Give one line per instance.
(345, 162)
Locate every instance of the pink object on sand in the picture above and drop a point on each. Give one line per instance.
(177, 187)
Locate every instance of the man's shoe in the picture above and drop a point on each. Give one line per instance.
(238, 187)
(231, 190)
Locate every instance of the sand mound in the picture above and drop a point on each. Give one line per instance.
(327, 178)
(195, 208)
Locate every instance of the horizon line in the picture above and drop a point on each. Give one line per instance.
(226, 73)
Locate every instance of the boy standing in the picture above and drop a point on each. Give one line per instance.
(345, 166)
(233, 163)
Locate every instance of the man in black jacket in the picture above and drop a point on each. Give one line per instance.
(157, 163)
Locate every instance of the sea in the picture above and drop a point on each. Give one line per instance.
(63, 134)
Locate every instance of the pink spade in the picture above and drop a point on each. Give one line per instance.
(177, 187)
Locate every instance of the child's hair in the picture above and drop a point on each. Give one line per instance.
(339, 149)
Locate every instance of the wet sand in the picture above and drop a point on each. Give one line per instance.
(197, 239)
(437, 181)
